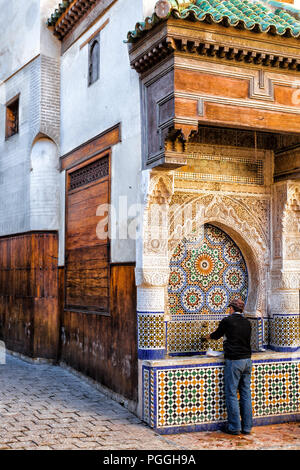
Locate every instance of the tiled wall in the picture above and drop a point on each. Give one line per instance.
(190, 396)
(284, 332)
(206, 273)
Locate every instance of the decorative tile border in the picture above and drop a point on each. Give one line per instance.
(266, 331)
(257, 333)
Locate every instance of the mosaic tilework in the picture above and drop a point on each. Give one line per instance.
(188, 396)
(184, 336)
(193, 395)
(146, 403)
(206, 273)
(285, 332)
(266, 331)
(256, 333)
(275, 388)
(151, 331)
(152, 398)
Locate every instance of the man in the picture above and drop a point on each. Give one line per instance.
(236, 330)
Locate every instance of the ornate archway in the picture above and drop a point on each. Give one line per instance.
(242, 221)
(178, 215)
(243, 225)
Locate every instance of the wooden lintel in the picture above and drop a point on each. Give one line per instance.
(92, 147)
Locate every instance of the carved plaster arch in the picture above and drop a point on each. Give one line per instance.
(235, 219)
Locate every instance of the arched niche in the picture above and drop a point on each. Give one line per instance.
(240, 225)
(207, 271)
(251, 259)
(44, 185)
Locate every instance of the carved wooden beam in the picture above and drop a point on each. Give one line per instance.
(156, 52)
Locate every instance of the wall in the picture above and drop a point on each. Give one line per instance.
(189, 396)
(29, 313)
(88, 111)
(29, 65)
(20, 35)
(29, 180)
(44, 186)
(104, 347)
(24, 34)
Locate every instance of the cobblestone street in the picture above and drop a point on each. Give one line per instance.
(47, 407)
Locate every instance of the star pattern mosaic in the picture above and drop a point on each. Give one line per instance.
(285, 331)
(188, 396)
(206, 273)
(151, 331)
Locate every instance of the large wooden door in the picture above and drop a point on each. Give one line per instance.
(87, 255)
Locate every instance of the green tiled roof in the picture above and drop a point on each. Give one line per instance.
(259, 16)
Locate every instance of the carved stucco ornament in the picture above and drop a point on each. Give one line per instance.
(152, 259)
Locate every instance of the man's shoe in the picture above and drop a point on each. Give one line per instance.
(233, 433)
(246, 432)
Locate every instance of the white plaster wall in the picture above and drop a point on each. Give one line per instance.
(44, 186)
(149, 7)
(32, 76)
(49, 44)
(20, 32)
(22, 25)
(15, 151)
(115, 97)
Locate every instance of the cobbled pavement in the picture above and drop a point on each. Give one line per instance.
(45, 407)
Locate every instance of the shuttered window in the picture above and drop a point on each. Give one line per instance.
(87, 268)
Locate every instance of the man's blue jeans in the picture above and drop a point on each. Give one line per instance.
(237, 376)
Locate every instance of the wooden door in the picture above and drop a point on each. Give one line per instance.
(87, 255)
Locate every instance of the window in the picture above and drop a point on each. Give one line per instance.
(12, 118)
(94, 60)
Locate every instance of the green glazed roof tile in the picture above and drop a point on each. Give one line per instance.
(268, 17)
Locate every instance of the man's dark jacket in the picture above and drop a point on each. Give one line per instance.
(237, 341)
